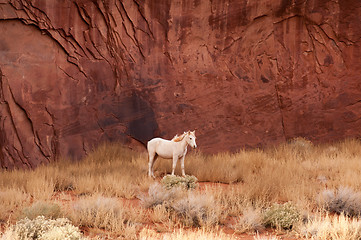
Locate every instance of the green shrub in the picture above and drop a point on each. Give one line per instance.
(46, 209)
(282, 216)
(187, 182)
(43, 229)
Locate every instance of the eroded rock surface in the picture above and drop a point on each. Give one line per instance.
(75, 73)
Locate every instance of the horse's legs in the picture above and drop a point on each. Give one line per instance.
(175, 159)
(152, 158)
(182, 165)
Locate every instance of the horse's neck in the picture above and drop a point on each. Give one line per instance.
(183, 143)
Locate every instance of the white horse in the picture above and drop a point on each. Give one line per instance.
(175, 149)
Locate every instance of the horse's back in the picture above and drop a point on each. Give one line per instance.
(161, 146)
(153, 143)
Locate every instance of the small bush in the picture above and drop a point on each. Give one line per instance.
(46, 209)
(159, 195)
(187, 182)
(343, 200)
(282, 216)
(300, 143)
(43, 229)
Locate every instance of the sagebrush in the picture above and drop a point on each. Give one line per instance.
(41, 228)
(186, 182)
(283, 216)
(40, 208)
(343, 200)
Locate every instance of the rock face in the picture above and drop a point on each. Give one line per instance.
(75, 73)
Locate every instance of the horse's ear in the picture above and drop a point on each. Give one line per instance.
(194, 132)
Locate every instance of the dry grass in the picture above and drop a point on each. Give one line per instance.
(192, 209)
(106, 213)
(250, 221)
(198, 210)
(40, 208)
(11, 199)
(181, 234)
(295, 172)
(337, 227)
(112, 170)
(258, 237)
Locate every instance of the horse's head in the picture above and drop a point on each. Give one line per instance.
(191, 139)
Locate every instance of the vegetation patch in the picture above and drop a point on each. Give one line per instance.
(187, 182)
(40, 208)
(343, 200)
(107, 214)
(197, 210)
(43, 229)
(282, 216)
(99, 193)
(337, 227)
(159, 195)
(249, 221)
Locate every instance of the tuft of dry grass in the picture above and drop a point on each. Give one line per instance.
(338, 227)
(11, 199)
(106, 213)
(250, 221)
(181, 234)
(258, 237)
(197, 210)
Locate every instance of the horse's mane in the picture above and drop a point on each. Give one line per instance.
(177, 138)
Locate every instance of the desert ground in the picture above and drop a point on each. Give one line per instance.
(295, 190)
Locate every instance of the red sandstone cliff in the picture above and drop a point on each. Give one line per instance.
(74, 73)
